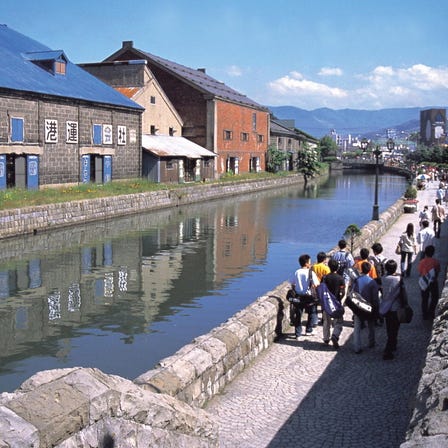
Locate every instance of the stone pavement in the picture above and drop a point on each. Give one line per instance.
(306, 394)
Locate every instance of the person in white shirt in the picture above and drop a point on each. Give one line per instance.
(425, 237)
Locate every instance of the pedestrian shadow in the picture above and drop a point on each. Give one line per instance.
(360, 399)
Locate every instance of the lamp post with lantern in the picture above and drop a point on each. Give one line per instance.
(377, 153)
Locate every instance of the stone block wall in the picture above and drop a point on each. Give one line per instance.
(429, 423)
(29, 220)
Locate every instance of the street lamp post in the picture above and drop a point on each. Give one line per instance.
(377, 152)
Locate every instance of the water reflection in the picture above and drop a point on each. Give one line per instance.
(121, 294)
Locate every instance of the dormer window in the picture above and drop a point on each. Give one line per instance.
(54, 62)
(60, 67)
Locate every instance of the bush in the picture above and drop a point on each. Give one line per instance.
(411, 192)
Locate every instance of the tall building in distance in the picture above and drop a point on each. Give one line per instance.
(433, 127)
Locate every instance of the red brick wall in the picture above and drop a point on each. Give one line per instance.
(238, 119)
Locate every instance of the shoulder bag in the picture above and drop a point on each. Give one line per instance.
(405, 312)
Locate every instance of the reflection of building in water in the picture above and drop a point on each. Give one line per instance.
(242, 239)
(128, 281)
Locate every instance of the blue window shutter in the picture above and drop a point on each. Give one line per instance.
(107, 169)
(2, 171)
(17, 129)
(97, 134)
(85, 169)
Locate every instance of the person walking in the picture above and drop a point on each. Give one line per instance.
(321, 269)
(390, 303)
(438, 216)
(304, 281)
(429, 267)
(336, 285)
(424, 215)
(425, 238)
(368, 288)
(408, 250)
(345, 260)
(363, 257)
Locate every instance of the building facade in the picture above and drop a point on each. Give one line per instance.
(58, 124)
(433, 126)
(214, 116)
(166, 156)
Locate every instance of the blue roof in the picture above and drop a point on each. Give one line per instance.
(21, 70)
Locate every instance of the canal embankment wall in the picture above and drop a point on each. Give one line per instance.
(85, 407)
(35, 219)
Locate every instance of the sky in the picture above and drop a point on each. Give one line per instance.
(357, 54)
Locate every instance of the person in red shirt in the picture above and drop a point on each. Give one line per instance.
(363, 257)
(429, 265)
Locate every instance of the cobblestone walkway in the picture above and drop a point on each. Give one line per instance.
(305, 394)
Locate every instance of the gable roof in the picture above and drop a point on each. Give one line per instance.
(19, 71)
(196, 78)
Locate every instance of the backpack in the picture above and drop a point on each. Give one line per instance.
(341, 258)
(329, 302)
(379, 266)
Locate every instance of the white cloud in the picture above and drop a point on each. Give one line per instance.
(385, 86)
(234, 71)
(328, 71)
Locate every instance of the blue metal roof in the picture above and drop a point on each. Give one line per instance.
(19, 71)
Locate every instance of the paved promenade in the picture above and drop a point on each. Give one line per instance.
(305, 394)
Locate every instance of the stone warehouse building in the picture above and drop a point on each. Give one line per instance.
(167, 156)
(58, 123)
(214, 116)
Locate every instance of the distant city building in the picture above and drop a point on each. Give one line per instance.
(433, 126)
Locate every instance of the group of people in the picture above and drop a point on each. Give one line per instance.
(376, 279)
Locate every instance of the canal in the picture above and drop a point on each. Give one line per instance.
(122, 294)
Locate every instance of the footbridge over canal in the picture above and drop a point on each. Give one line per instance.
(383, 167)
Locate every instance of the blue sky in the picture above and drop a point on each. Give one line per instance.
(360, 54)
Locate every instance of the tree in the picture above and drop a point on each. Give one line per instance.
(275, 159)
(307, 163)
(350, 234)
(327, 147)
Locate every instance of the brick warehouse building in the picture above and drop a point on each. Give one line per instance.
(215, 116)
(58, 123)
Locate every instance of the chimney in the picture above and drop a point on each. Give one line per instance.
(201, 70)
(127, 44)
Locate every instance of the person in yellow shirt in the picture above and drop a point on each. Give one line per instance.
(321, 267)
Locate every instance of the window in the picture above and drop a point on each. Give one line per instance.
(171, 131)
(17, 129)
(153, 130)
(260, 138)
(60, 67)
(97, 134)
(254, 121)
(280, 141)
(228, 135)
(152, 100)
(169, 164)
(244, 137)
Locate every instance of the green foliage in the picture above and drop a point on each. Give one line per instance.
(351, 233)
(411, 192)
(275, 159)
(308, 163)
(327, 148)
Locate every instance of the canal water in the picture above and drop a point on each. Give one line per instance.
(122, 294)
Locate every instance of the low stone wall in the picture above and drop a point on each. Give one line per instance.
(429, 423)
(29, 220)
(72, 408)
(84, 407)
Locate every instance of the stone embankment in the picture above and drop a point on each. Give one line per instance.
(85, 407)
(29, 220)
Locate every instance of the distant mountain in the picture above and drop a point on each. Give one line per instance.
(365, 123)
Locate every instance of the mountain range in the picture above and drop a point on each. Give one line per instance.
(358, 123)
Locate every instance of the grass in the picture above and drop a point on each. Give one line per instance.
(19, 198)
